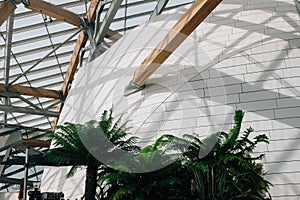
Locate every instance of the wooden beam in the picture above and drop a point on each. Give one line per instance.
(80, 43)
(31, 91)
(6, 9)
(113, 35)
(36, 143)
(180, 31)
(92, 13)
(54, 11)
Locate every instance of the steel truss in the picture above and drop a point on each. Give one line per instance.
(29, 91)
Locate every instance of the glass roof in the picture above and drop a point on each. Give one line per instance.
(34, 37)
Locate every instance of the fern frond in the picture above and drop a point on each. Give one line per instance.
(234, 132)
(72, 171)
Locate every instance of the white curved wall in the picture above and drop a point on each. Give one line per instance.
(9, 195)
(244, 56)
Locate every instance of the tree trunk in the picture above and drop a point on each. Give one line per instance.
(91, 182)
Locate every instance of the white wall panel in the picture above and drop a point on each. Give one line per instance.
(244, 56)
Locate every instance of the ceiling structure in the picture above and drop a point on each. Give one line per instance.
(42, 44)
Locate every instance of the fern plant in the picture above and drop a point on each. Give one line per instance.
(165, 183)
(228, 171)
(219, 167)
(77, 144)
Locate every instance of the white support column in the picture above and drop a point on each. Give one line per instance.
(160, 6)
(5, 158)
(7, 53)
(26, 173)
(32, 111)
(110, 14)
(297, 3)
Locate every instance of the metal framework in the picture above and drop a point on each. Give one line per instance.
(161, 4)
(12, 140)
(297, 2)
(41, 47)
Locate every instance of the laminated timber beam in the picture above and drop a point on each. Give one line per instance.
(92, 13)
(36, 143)
(72, 67)
(6, 9)
(31, 91)
(180, 31)
(113, 35)
(54, 11)
(80, 43)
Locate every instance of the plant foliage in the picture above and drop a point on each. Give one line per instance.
(78, 144)
(219, 167)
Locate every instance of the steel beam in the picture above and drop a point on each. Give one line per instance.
(99, 10)
(28, 111)
(14, 172)
(5, 158)
(297, 3)
(29, 102)
(46, 56)
(109, 16)
(14, 181)
(160, 6)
